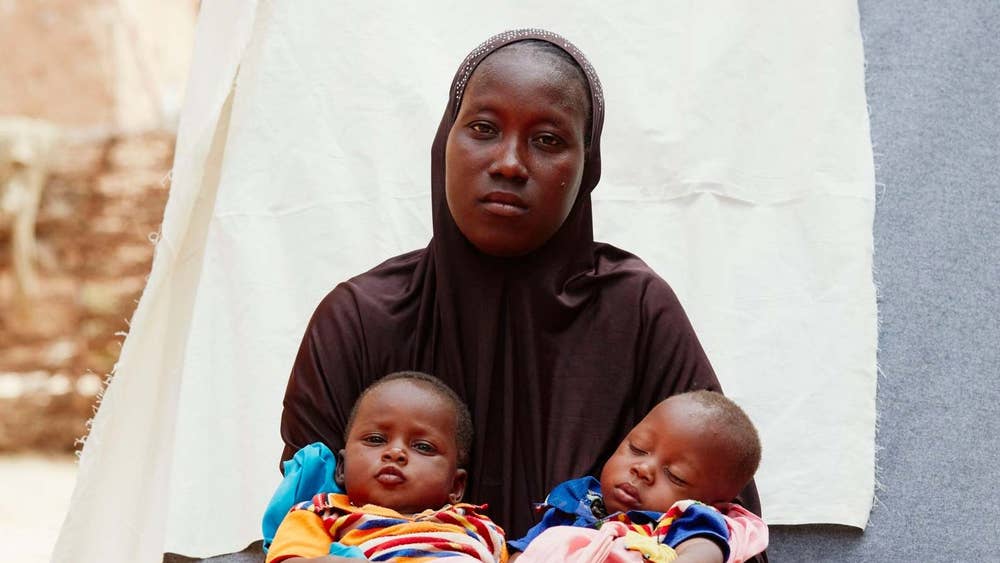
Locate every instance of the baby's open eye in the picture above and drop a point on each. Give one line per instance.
(424, 447)
(373, 439)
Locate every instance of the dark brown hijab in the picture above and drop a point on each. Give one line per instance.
(557, 353)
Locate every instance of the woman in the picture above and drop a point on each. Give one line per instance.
(557, 343)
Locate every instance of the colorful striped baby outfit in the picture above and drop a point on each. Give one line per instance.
(455, 530)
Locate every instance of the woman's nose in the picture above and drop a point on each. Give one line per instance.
(508, 161)
(394, 454)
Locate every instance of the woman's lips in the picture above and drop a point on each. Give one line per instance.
(505, 204)
(389, 475)
(627, 495)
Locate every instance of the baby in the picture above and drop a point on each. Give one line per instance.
(691, 451)
(407, 438)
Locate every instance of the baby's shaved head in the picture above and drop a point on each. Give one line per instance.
(731, 425)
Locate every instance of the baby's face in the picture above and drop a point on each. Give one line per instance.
(401, 452)
(669, 456)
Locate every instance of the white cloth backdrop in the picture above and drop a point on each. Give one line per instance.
(737, 163)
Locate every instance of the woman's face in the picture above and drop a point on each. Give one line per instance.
(515, 154)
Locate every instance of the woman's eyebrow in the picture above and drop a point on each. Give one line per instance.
(481, 107)
(557, 123)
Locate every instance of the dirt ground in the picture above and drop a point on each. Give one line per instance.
(102, 205)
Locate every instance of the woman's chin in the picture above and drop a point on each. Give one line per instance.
(502, 249)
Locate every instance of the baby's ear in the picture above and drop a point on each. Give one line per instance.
(338, 472)
(458, 486)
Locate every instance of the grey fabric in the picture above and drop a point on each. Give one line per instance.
(933, 84)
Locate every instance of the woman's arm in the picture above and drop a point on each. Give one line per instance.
(327, 375)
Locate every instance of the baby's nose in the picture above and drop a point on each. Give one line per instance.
(395, 454)
(644, 471)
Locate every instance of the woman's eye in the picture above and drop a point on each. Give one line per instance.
(424, 447)
(549, 140)
(483, 128)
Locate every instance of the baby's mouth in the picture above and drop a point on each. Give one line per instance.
(390, 475)
(627, 495)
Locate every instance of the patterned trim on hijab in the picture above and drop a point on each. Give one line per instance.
(493, 43)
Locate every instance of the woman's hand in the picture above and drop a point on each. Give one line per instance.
(698, 550)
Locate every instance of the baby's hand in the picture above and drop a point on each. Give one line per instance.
(698, 550)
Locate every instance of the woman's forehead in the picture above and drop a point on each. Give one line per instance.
(551, 82)
(539, 40)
